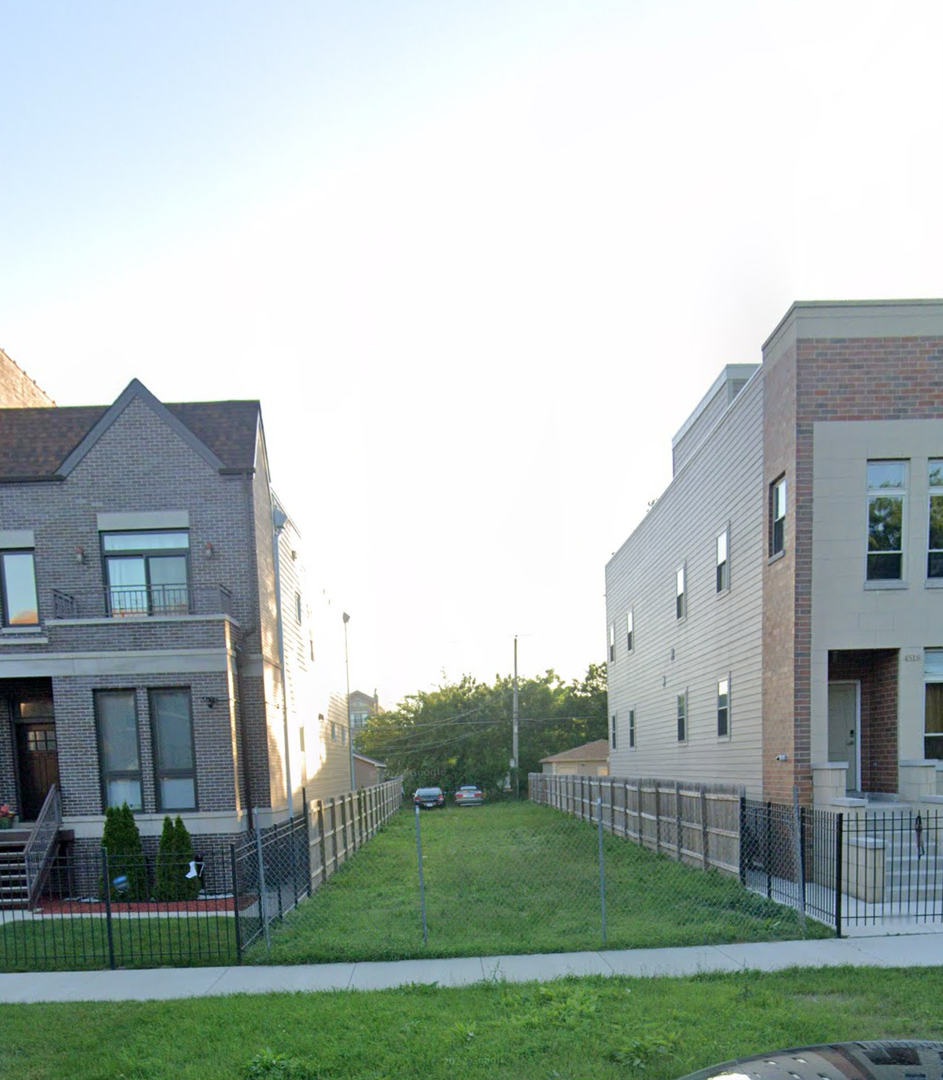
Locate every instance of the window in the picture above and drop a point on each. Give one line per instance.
(777, 517)
(629, 629)
(887, 482)
(679, 594)
(935, 532)
(119, 753)
(298, 607)
(174, 770)
(631, 729)
(612, 642)
(683, 717)
(723, 567)
(147, 572)
(723, 708)
(18, 589)
(333, 732)
(613, 732)
(933, 710)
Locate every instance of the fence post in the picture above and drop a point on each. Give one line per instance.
(705, 835)
(334, 832)
(263, 904)
(602, 876)
(235, 902)
(679, 828)
(106, 880)
(657, 817)
(422, 888)
(838, 873)
(625, 809)
(768, 854)
(740, 844)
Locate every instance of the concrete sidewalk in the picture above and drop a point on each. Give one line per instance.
(905, 950)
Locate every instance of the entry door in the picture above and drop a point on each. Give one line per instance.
(843, 728)
(38, 764)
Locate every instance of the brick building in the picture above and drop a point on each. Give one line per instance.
(152, 594)
(776, 620)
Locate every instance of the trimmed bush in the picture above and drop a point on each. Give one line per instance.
(126, 869)
(174, 855)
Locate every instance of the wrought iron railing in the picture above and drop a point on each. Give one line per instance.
(119, 601)
(41, 846)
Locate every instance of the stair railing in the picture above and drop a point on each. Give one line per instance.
(41, 846)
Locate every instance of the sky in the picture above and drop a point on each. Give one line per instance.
(478, 260)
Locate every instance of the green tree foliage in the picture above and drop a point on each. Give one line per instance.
(122, 841)
(461, 733)
(174, 854)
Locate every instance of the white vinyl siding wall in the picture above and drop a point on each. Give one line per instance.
(721, 484)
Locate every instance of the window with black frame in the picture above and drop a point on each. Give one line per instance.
(175, 772)
(147, 573)
(119, 750)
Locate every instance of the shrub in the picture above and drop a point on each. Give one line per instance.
(122, 841)
(174, 855)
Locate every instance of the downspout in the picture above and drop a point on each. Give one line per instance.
(279, 517)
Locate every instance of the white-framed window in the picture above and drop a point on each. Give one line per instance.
(631, 727)
(683, 717)
(723, 563)
(680, 600)
(887, 488)
(612, 642)
(777, 516)
(723, 707)
(19, 605)
(119, 751)
(933, 704)
(935, 527)
(630, 630)
(612, 734)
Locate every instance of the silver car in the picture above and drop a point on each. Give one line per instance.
(469, 795)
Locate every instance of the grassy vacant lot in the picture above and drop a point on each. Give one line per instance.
(572, 1029)
(516, 878)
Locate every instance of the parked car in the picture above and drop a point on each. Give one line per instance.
(429, 797)
(469, 795)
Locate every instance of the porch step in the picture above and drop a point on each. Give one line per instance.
(14, 888)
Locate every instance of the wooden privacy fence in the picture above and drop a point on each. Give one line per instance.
(340, 826)
(697, 824)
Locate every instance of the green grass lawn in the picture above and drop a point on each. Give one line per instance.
(81, 944)
(571, 1029)
(515, 878)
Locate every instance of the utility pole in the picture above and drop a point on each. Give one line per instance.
(514, 749)
(350, 728)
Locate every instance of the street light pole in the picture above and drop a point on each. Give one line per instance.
(350, 730)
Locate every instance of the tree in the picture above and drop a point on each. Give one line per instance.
(122, 841)
(174, 855)
(462, 732)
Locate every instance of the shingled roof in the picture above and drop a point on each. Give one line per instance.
(591, 751)
(35, 444)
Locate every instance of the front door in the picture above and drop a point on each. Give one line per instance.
(843, 728)
(38, 765)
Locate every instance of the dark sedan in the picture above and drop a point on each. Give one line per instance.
(429, 797)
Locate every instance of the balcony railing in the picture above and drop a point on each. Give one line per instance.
(120, 601)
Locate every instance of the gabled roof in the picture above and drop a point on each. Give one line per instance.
(597, 750)
(47, 443)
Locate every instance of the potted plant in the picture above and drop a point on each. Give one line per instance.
(7, 816)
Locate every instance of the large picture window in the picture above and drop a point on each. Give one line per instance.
(887, 482)
(147, 572)
(935, 532)
(175, 776)
(18, 589)
(119, 753)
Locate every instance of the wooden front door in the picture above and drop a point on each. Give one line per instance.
(38, 764)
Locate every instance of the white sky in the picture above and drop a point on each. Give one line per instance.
(478, 260)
